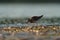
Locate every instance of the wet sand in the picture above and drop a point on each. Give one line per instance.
(27, 33)
(27, 36)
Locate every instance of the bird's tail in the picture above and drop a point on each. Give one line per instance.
(40, 17)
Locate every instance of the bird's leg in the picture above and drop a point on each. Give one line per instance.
(29, 24)
(33, 24)
(36, 24)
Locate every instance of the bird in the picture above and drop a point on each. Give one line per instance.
(34, 19)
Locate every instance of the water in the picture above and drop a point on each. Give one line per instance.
(28, 35)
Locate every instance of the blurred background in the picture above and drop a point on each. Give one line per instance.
(20, 9)
(23, 8)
